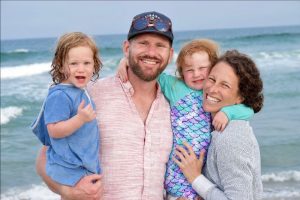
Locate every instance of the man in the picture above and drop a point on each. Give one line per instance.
(136, 136)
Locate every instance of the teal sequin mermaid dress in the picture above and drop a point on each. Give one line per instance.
(189, 123)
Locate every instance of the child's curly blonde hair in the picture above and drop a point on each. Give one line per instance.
(65, 43)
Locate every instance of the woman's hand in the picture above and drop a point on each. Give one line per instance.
(122, 70)
(188, 162)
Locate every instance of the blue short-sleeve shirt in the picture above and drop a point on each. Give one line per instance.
(71, 157)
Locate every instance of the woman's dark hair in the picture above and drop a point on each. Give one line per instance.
(250, 83)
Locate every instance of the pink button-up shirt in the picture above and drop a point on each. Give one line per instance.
(133, 155)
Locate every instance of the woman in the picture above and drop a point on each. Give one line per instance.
(233, 169)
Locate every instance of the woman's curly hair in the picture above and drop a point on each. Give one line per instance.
(250, 82)
(64, 44)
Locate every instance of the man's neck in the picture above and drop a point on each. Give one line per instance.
(141, 87)
(144, 94)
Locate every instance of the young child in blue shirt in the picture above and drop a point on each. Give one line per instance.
(190, 123)
(67, 121)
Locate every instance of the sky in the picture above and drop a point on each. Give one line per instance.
(40, 19)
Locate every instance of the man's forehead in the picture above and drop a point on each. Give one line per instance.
(151, 37)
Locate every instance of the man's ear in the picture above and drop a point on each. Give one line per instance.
(126, 48)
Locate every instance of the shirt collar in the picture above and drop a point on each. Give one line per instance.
(130, 91)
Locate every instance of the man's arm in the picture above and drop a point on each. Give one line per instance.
(89, 187)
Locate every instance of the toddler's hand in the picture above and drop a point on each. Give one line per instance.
(86, 114)
(122, 70)
(220, 121)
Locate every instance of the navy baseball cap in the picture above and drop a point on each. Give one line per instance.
(151, 22)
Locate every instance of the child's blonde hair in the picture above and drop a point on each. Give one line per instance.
(67, 42)
(206, 45)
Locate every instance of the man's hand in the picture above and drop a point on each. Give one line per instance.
(88, 188)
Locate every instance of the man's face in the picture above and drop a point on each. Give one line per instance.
(148, 55)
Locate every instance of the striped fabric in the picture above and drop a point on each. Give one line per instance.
(133, 154)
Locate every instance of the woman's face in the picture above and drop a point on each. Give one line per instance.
(221, 88)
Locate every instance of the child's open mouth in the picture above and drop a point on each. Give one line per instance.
(80, 78)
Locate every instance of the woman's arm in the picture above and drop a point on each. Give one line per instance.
(89, 187)
(233, 156)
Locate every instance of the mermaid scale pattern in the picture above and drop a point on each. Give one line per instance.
(192, 124)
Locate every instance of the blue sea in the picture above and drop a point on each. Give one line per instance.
(24, 80)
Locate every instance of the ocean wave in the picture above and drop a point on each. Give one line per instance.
(41, 192)
(110, 51)
(282, 176)
(279, 55)
(281, 194)
(24, 56)
(35, 192)
(9, 113)
(19, 51)
(110, 63)
(24, 70)
(277, 59)
(16, 51)
(267, 36)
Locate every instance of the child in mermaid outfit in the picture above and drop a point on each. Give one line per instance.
(67, 122)
(190, 123)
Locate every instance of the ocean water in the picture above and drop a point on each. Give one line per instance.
(276, 50)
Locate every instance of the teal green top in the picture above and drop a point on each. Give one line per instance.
(175, 89)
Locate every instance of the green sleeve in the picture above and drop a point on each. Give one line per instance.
(173, 88)
(164, 82)
(167, 83)
(239, 111)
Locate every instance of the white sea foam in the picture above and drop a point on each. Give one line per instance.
(279, 55)
(35, 192)
(109, 64)
(24, 70)
(41, 192)
(20, 51)
(288, 59)
(281, 194)
(281, 176)
(9, 113)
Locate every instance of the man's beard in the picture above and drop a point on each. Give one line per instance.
(137, 70)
